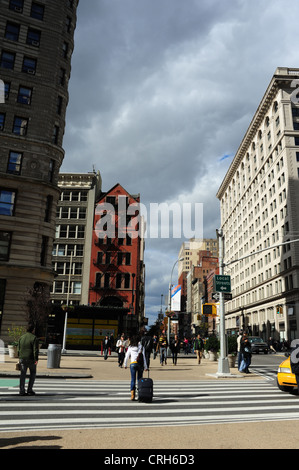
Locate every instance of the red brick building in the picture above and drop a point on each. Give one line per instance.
(117, 264)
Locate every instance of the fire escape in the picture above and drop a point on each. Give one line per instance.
(108, 285)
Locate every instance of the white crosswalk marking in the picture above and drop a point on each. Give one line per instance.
(77, 404)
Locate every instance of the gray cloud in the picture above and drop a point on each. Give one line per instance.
(161, 91)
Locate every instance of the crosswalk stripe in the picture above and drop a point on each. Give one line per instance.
(73, 404)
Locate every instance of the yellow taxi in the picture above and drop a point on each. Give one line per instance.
(286, 380)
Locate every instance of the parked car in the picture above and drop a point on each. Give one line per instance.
(258, 345)
(286, 380)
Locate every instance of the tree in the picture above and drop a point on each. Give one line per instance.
(38, 307)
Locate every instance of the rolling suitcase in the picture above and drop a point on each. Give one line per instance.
(145, 390)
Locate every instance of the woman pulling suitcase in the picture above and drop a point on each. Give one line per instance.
(136, 368)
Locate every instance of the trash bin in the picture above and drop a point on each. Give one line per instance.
(54, 356)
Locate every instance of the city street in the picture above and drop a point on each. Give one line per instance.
(86, 412)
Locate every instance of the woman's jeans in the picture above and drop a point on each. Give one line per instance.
(135, 369)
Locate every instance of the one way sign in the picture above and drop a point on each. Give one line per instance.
(216, 296)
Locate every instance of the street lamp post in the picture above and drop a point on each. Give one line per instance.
(169, 304)
(223, 366)
(67, 304)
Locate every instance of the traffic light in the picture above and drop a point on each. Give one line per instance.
(279, 310)
(209, 309)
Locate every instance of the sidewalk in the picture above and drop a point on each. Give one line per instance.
(84, 365)
(87, 366)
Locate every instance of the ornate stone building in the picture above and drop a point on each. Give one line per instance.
(259, 200)
(37, 41)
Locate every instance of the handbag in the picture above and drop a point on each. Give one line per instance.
(140, 359)
(18, 366)
(243, 365)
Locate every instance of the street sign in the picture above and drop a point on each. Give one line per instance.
(227, 296)
(222, 283)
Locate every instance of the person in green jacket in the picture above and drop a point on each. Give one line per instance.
(28, 357)
(198, 348)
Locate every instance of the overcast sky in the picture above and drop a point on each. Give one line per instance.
(161, 94)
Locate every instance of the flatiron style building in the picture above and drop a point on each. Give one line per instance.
(36, 45)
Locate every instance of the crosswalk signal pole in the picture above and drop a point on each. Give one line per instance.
(223, 366)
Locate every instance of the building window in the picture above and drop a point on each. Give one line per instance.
(5, 239)
(59, 105)
(7, 202)
(37, 11)
(24, 95)
(6, 90)
(107, 280)
(20, 126)
(16, 5)
(14, 163)
(12, 31)
(118, 280)
(55, 135)
(123, 257)
(2, 121)
(68, 24)
(127, 280)
(62, 76)
(51, 170)
(29, 65)
(44, 248)
(76, 287)
(8, 60)
(33, 37)
(65, 49)
(98, 282)
(49, 204)
(71, 231)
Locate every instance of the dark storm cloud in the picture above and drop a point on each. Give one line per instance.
(162, 90)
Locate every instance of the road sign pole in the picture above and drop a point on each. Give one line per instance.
(223, 366)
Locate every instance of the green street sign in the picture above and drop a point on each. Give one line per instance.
(222, 283)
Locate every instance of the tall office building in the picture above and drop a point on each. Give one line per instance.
(73, 239)
(37, 41)
(259, 199)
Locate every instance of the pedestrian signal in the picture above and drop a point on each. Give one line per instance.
(209, 309)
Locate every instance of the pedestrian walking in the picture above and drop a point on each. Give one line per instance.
(162, 347)
(106, 346)
(147, 343)
(28, 358)
(198, 348)
(120, 346)
(271, 344)
(175, 349)
(294, 359)
(136, 367)
(246, 354)
(186, 346)
(239, 339)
